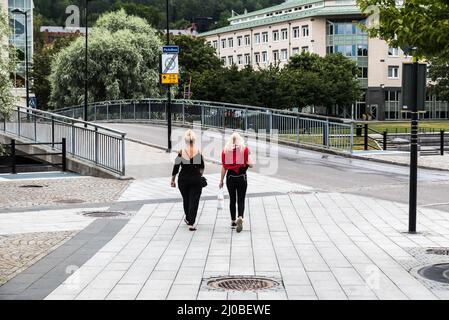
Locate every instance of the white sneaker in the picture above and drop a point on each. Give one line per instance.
(239, 225)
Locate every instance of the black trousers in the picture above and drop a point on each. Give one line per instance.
(237, 186)
(191, 192)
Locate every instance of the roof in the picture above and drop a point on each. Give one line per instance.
(314, 12)
(286, 5)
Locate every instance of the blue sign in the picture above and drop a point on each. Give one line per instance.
(33, 102)
(170, 49)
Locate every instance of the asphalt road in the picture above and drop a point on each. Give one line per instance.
(318, 170)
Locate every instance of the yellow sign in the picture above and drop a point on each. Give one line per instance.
(169, 78)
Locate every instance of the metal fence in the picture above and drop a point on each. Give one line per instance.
(306, 129)
(90, 142)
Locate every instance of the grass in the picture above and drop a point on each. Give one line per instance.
(404, 126)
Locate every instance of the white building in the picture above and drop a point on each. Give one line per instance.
(320, 26)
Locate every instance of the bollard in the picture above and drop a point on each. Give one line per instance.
(13, 156)
(442, 142)
(64, 154)
(385, 140)
(365, 143)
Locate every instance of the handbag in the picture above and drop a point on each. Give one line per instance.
(203, 182)
(220, 199)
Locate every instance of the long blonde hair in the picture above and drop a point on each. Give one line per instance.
(190, 138)
(235, 141)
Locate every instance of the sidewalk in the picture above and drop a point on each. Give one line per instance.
(316, 244)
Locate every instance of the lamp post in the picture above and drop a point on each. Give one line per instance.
(27, 84)
(86, 65)
(169, 86)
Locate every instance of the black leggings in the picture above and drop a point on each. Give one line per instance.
(191, 192)
(237, 186)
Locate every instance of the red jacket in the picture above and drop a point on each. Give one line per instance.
(235, 159)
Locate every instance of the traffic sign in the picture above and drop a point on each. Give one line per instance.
(170, 63)
(33, 102)
(170, 49)
(169, 78)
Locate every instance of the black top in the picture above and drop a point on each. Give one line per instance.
(189, 168)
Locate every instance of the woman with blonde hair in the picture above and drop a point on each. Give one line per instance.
(236, 160)
(190, 179)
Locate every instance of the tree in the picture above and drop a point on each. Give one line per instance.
(420, 23)
(439, 74)
(123, 62)
(7, 63)
(195, 57)
(41, 70)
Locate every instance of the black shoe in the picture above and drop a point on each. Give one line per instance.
(233, 225)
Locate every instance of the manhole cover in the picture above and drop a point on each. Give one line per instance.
(438, 251)
(242, 284)
(70, 201)
(32, 186)
(436, 272)
(104, 214)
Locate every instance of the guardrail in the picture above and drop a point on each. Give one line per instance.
(96, 144)
(318, 131)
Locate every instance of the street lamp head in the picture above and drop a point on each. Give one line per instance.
(18, 11)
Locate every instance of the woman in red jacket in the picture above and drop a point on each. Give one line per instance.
(236, 161)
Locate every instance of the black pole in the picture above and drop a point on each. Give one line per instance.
(64, 154)
(86, 66)
(442, 144)
(169, 86)
(26, 61)
(13, 156)
(414, 154)
(385, 140)
(365, 140)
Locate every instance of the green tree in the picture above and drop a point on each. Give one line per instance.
(123, 62)
(7, 63)
(439, 74)
(420, 23)
(41, 70)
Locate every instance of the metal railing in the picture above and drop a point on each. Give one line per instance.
(96, 144)
(306, 129)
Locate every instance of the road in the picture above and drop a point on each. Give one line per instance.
(318, 170)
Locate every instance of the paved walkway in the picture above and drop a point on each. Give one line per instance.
(317, 244)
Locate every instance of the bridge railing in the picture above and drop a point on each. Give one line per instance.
(96, 144)
(313, 130)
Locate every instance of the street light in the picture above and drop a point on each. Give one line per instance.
(18, 11)
(169, 86)
(86, 64)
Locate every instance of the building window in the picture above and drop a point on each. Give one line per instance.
(330, 49)
(296, 32)
(223, 43)
(215, 44)
(264, 57)
(284, 55)
(393, 52)
(348, 51)
(247, 40)
(209, 43)
(305, 49)
(284, 34)
(363, 72)
(223, 59)
(276, 55)
(257, 57)
(295, 51)
(265, 37)
(362, 50)
(239, 59)
(239, 41)
(247, 59)
(275, 35)
(257, 38)
(230, 60)
(231, 42)
(393, 72)
(305, 31)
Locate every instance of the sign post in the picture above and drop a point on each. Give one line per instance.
(169, 76)
(414, 94)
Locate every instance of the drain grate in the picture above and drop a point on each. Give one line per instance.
(104, 214)
(70, 201)
(436, 272)
(438, 251)
(243, 284)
